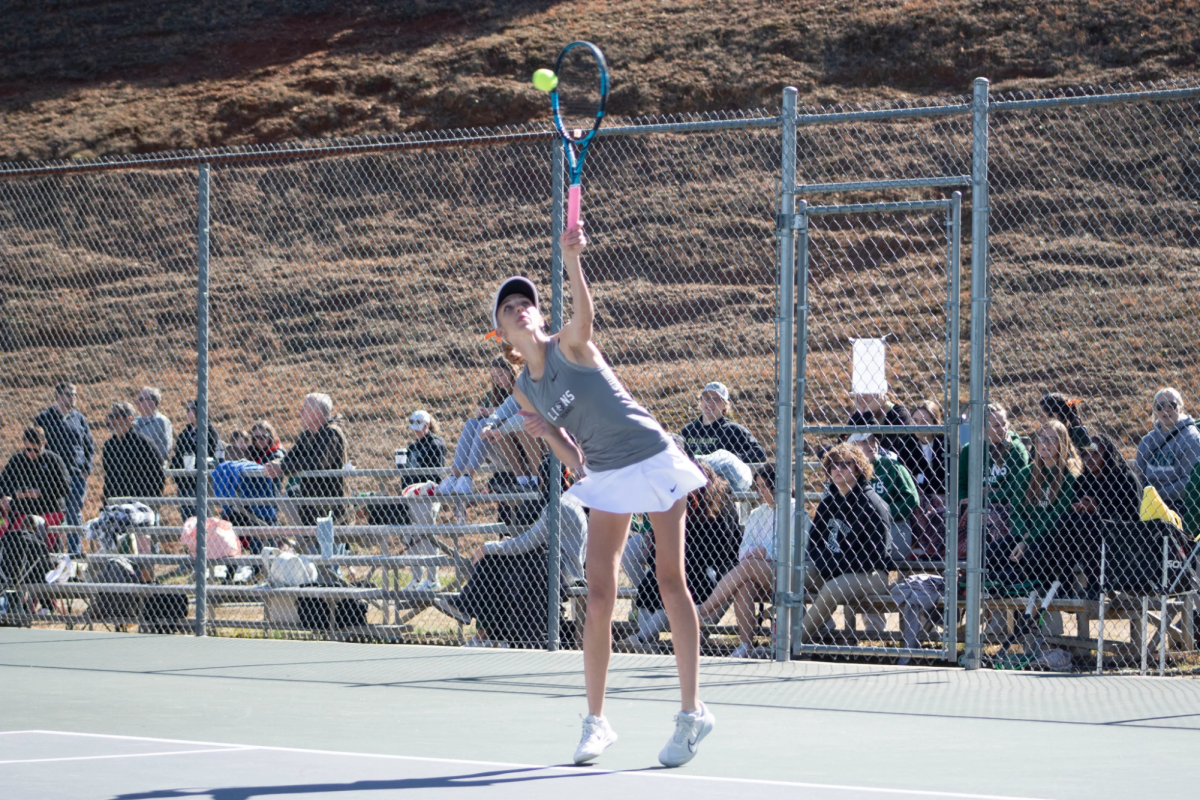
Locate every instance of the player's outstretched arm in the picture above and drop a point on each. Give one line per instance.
(577, 333)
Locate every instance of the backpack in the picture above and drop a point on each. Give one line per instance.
(24, 558)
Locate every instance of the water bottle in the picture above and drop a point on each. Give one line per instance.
(401, 457)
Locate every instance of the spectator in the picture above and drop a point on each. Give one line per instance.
(1064, 409)
(1042, 493)
(68, 435)
(1167, 454)
(714, 431)
(929, 519)
(493, 433)
(1007, 456)
(264, 444)
(35, 482)
(321, 446)
(848, 540)
(896, 486)
(753, 579)
(132, 466)
(931, 474)
(711, 540)
(239, 446)
(428, 450)
(507, 591)
(1109, 490)
(880, 409)
(185, 454)
(151, 423)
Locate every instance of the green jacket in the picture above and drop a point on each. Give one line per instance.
(995, 479)
(894, 483)
(1191, 505)
(1031, 522)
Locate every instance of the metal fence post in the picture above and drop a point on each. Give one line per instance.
(202, 403)
(954, 235)
(979, 353)
(554, 502)
(783, 403)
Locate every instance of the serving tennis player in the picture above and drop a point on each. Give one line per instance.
(570, 397)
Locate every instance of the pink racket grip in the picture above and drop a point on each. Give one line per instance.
(573, 206)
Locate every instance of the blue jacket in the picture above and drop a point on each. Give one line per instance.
(244, 479)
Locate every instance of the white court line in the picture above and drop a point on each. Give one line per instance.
(126, 755)
(228, 747)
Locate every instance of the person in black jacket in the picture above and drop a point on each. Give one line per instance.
(1109, 490)
(185, 445)
(68, 435)
(321, 446)
(34, 482)
(428, 450)
(714, 431)
(711, 540)
(133, 466)
(848, 540)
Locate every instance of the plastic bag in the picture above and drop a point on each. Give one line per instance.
(287, 569)
(221, 542)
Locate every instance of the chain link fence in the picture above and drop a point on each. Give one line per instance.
(372, 484)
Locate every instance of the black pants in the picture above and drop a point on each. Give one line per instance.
(507, 596)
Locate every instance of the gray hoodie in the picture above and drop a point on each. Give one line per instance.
(1167, 468)
(572, 538)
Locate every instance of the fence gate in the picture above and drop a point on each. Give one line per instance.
(879, 292)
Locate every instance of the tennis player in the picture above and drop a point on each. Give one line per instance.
(570, 397)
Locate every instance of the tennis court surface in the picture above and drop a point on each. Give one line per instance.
(98, 715)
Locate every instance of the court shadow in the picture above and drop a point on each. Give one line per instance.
(470, 781)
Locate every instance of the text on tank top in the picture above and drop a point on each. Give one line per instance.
(611, 429)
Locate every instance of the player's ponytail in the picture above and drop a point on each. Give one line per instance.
(511, 355)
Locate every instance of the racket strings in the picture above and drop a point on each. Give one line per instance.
(579, 91)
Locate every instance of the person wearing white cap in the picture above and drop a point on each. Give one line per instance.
(428, 450)
(571, 398)
(712, 430)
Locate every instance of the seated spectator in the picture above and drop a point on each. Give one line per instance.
(34, 482)
(1065, 410)
(1167, 454)
(321, 446)
(896, 486)
(132, 464)
(494, 433)
(507, 592)
(151, 423)
(1007, 457)
(753, 579)
(185, 453)
(428, 449)
(1040, 495)
(848, 540)
(68, 435)
(712, 537)
(714, 431)
(880, 409)
(931, 474)
(264, 444)
(1109, 490)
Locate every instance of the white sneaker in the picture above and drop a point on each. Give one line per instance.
(690, 729)
(742, 651)
(464, 485)
(597, 736)
(427, 585)
(446, 486)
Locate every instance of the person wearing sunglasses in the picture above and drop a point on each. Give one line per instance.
(848, 540)
(1168, 453)
(34, 482)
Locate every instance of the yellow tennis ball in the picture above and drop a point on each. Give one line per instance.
(545, 80)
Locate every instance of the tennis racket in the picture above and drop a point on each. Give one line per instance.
(578, 104)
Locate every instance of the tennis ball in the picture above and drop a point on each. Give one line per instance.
(545, 80)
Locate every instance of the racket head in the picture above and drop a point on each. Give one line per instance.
(579, 99)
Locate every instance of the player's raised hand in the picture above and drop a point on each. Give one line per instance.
(573, 241)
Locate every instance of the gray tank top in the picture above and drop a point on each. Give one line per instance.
(591, 404)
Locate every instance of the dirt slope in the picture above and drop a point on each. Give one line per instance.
(83, 77)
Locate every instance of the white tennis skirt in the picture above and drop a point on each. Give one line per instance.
(647, 487)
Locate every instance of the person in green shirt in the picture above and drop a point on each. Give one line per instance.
(1007, 456)
(894, 483)
(1042, 493)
